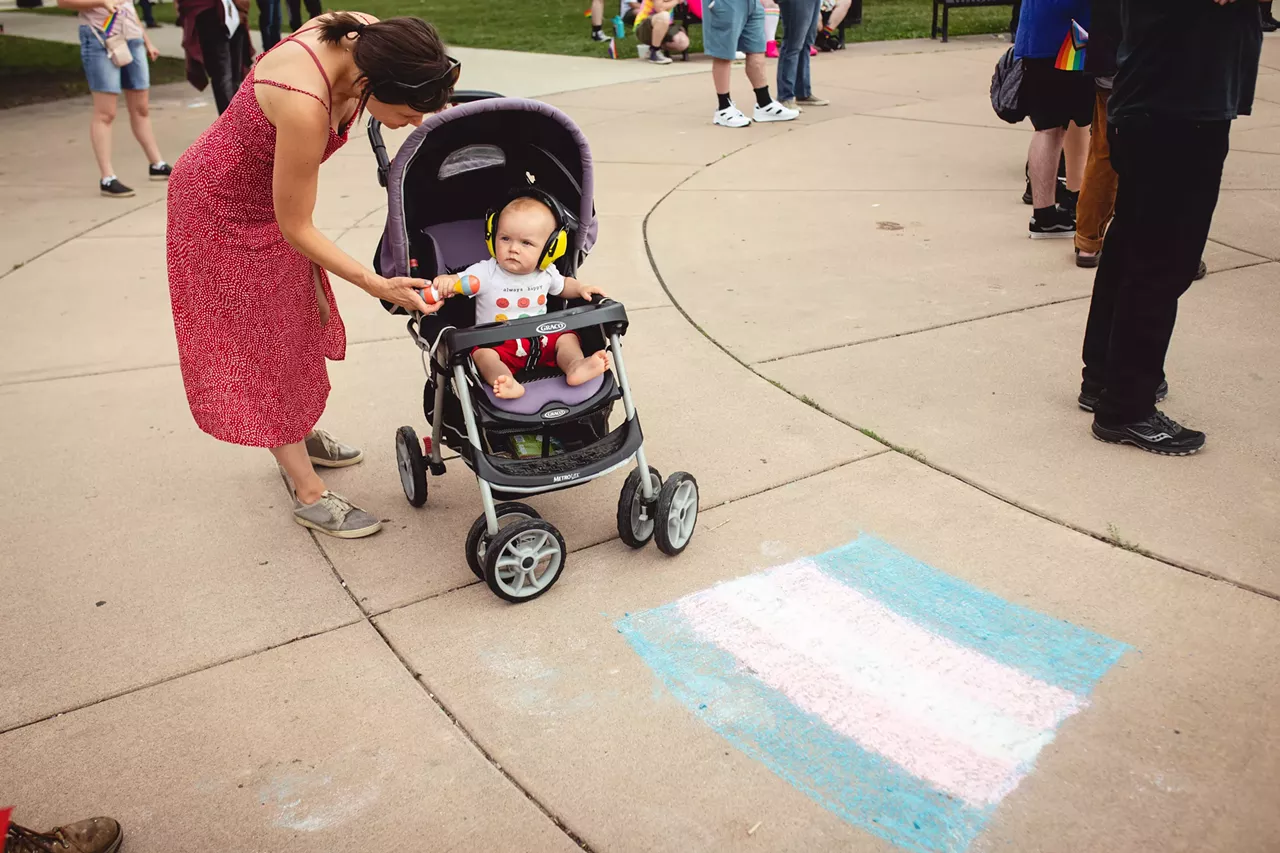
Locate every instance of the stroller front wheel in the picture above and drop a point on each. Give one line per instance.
(412, 467)
(478, 537)
(677, 513)
(524, 560)
(635, 515)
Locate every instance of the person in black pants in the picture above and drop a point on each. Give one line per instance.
(269, 23)
(295, 12)
(1185, 71)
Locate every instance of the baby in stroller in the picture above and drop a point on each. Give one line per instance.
(525, 237)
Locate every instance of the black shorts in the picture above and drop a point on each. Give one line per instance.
(1053, 98)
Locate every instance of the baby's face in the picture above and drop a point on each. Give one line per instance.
(522, 232)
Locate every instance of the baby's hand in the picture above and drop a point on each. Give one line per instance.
(589, 290)
(443, 285)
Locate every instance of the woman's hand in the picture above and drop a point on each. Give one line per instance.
(402, 291)
(152, 51)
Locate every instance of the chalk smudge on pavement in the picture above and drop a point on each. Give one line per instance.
(902, 699)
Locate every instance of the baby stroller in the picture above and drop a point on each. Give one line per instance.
(556, 436)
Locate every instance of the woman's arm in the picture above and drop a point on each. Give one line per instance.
(302, 131)
(78, 5)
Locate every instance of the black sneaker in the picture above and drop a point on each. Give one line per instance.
(1055, 223)
(160, 171)
(112, 188)
(598, 35)
(1158, 433)
(1088, 398)
(1061, 192)
(1270, 25)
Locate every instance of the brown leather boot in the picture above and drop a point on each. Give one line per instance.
(95, 835)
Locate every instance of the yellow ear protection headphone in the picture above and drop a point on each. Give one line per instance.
(557, 244)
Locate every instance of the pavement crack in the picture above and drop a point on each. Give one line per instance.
(75, 236)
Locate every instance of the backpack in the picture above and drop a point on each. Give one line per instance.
(1006, 83)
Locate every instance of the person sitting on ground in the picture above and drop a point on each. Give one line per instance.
(833, 12)
(727, 26)
(515, 283)
(655, 28)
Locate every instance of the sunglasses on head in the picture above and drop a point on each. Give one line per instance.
(411, 94)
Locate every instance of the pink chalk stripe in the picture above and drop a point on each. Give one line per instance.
(791, 608)
(951, 766)
(857, 621)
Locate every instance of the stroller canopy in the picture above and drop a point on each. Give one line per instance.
(460, 162)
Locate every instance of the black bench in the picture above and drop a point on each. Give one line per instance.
(948, 5)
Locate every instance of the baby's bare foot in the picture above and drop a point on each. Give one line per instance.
(507, 388)
(588, 367)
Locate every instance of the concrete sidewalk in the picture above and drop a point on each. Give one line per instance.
(178, 654)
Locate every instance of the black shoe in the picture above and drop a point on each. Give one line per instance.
(1158, 433)
(1201, 272)
(112, 188)
(1088, 261)
(1055, 223)
(1270, 25)
(1067, 199)
(598, 35)
(1088, 398)
(161, 171)
(152, 25)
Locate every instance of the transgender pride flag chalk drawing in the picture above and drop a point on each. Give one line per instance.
(904, 700)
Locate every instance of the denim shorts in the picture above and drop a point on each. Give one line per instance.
(105, 77)
(732, 25)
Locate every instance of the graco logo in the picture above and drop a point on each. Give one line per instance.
(555, 413)
(550, 328)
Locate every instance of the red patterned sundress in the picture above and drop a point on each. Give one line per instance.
(250, 338)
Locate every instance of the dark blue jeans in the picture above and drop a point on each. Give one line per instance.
(269, 23)
(799, 23)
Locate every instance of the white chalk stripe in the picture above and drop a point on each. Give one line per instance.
(790, 609)
(852, 617)
(949, 765)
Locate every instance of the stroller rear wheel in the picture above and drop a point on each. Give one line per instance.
(413, 468)
(524, 560)
(677, 513)
(478, 538)
(635, 516)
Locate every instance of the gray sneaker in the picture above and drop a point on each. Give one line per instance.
(327, 452)
(334, 515)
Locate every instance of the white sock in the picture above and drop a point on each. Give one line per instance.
(771, 18)
(108, 179)
(158, 164)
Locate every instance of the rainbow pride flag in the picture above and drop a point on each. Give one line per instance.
(613, 49)
(1071, 54)
(111, 22)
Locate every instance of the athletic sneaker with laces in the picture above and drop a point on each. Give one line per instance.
(95, 835)
(327, 452)
(731, 116)
(1090, 394)
(774, 111)
(1157, 433)
(1050, 223)
(112, 188)
(334, 515)
(657, 57)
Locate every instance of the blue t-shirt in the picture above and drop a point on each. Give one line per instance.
(1043, 24)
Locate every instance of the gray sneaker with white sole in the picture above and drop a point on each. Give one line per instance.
(327, 452)
(334, 515)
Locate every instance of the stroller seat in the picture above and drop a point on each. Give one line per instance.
(454, 246)
(547, 397)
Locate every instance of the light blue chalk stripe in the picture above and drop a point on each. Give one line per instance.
(1052, 650)
(860, 787)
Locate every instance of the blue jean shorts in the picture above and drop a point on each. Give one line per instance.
(105, 77)
(732, 25)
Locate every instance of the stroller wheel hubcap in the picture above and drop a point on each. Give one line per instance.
(529, 563)
(684, 513)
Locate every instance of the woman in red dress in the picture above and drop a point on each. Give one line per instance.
(248, 270)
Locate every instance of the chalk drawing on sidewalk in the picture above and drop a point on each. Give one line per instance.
(902, 699)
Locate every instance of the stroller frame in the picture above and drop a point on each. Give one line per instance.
(509, 541)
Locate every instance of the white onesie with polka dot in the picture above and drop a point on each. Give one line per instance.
(504, 296)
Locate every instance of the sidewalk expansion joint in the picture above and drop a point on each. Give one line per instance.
(911, 454)
(67, 240)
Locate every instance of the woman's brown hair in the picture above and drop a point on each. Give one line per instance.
(401, 60)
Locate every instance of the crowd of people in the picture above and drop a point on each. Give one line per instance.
(1140, 122)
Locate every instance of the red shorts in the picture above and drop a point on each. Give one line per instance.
(510, 352)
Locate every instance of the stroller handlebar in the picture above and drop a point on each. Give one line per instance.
(610, 314)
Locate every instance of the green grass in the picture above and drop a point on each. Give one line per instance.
(559, 26)
(32, 71)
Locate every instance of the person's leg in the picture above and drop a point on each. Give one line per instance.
(1109, 280)
(296, 462)
(1170, 224)
(772, 17)
(1075, 144)
(1098, 191)
(804, 88)
(658, 31)
(215, 45)
(1042, 160)
(295, 14)
(138, 102)
(314, 9)
(794, 19)
(148, 17)
(677, 42)
(720, 76)
(837, 15)
(756, 72)
(269, 23)
(597, 20)
(104, 113)
(495, 372)
(576, 367)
